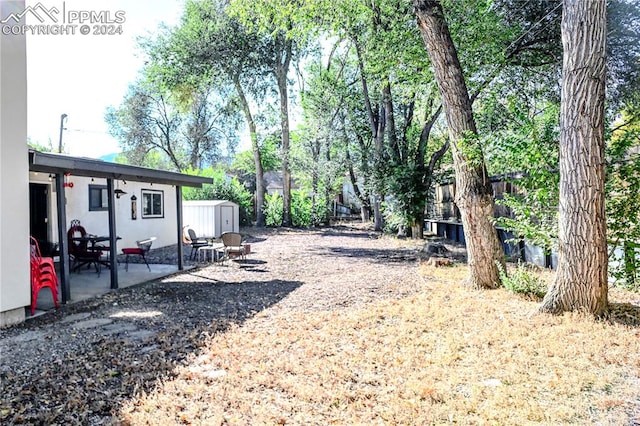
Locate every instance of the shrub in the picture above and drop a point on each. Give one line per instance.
(301, 209)
(393, 217)
(223, 188)
(522, 281)
(302, 214)
(273, 209)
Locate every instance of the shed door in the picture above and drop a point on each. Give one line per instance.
(226, 219)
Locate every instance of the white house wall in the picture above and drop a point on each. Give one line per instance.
(349, 197)
(15, 287)
(130, 230)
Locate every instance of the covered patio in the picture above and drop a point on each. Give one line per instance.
(86, 283)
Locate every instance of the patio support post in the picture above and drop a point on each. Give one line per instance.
(65, 284)
(180, 231)
(113, 250)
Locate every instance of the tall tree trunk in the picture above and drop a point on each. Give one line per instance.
(314, 148)
(363, 197)
(378, 161)
(286, 172)
(417, 223)
(282, 69)
(377, 125)
(257, 160)
(417, 228)
(474, 194)
(581, 277)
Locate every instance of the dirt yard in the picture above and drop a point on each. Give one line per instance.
(80, 364)
(330, 326)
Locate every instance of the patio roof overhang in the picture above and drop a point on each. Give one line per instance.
(60, 164)
(46, 162)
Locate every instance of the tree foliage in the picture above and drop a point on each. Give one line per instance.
(146, 122)
(301, 209)
(623, 203)
(211, 49)
(222, 188)
(525, 153)
(370, 105)
(244, 166)
(153, 131)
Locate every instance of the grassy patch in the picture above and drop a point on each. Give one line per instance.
(524, 280)
(447, 355)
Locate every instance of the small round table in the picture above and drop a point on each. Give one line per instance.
(216, 253)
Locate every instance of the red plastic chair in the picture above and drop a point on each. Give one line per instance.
(43, 274)
(143, 248)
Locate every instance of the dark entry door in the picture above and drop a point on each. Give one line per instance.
(38, 207)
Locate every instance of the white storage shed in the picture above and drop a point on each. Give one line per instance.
(211, 218)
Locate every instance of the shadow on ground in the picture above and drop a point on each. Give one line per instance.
(252, 239)
(91, 357)
(625, 314)
(251, 265)
(350, 232)
(375, 255)
(249, 262)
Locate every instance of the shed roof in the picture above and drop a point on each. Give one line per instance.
(47, 162)
(207, 202)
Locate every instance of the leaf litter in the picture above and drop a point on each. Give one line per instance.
(335, 325)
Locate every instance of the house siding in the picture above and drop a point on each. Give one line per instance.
(128, 229)
(14, 175)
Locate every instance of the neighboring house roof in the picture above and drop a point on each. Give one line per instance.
(47, 162)
(274, 180)
(273, 185)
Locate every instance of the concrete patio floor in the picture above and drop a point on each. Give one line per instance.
(87, 283)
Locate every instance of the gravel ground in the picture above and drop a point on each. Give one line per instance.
(78, 364)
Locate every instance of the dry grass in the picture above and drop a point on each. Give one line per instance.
(446, 355)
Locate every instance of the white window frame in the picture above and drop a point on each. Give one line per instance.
(150, 205)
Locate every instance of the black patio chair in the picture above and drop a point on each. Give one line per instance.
(79, 251)
(195, 243)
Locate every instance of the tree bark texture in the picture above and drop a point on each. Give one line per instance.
(281, 71)
(376, 123)
(365, 200)
(257, 159)
(378, 197)
(474, 194)
(286, 172)
(581, 278)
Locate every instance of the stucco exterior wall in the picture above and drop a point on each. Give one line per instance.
(14, 175)
(129, 229)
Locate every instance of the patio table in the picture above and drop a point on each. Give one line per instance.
(216, 253)
(93, 240)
